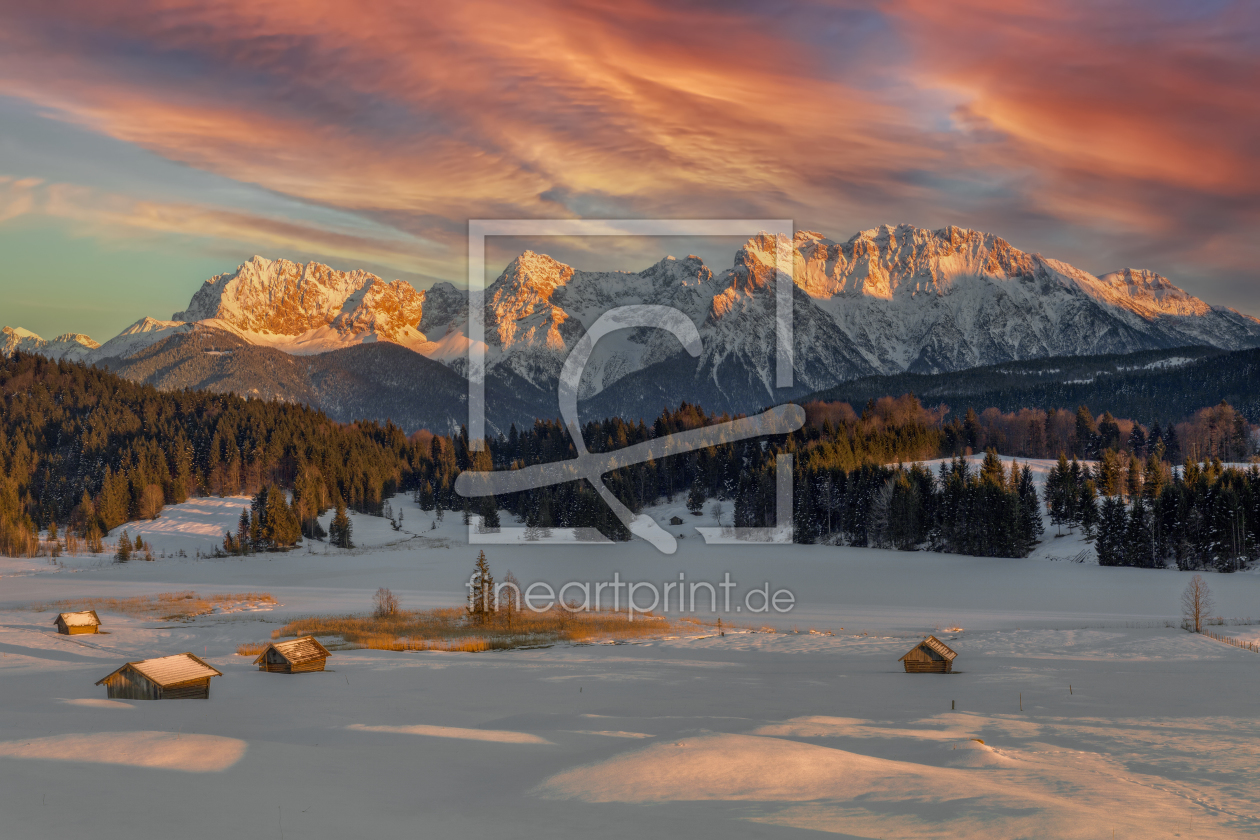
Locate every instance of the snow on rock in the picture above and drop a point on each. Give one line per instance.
(72, 347)
(889, 299)
(308, 308)
(141, 334)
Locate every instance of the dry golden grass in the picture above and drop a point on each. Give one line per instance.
(450, 629)
(250, 649)
(167, 606)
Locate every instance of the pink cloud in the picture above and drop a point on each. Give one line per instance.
(1074, 116)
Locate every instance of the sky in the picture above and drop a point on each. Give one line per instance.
(146, 145)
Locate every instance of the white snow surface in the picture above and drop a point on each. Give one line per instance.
(1127, 724)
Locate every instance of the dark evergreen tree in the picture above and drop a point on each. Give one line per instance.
(1030, 510)
(695, 497)
(1139, 543)
(1058, 486)
(1137, 441)
(1086, 440)
(241, 545)
(488, 508)
(1172, 446)
(1109, 545)
(340, 527)
(1087, 508)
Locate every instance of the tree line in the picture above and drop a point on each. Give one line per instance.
(1151, 515)
(88, 450)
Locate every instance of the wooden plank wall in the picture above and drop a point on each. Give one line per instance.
(130, 685)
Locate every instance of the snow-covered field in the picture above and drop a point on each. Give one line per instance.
(1127, 725)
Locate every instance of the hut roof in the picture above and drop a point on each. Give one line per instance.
(933, 643)
(85, 618)
(170, 670)
(296, 651)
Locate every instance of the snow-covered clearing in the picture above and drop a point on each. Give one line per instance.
(1127, 724)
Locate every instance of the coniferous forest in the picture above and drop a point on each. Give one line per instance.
(84, 450)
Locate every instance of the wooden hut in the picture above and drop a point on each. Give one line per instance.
(675, 520)
(179, 677)
(930, 656)
(295, 656)
(75, 623)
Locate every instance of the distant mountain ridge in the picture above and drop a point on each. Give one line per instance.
(888, 300)
(1151, 386)
(73, 347)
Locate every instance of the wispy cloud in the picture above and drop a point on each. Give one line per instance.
(1099, 131)
(111, 215)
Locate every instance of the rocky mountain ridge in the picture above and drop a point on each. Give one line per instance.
(886, 301)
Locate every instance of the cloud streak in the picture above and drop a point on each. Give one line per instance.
(107, 216)
(1094, 131)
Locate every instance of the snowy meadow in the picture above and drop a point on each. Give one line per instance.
(1077, 706)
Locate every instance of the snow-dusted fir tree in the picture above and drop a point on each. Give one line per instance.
(1139, 543)
(481, 591)
(695, 497)
(1111, 526)
(1057, 483)
(242, 532)
(1087, 509)
(339, 528)
(489, 510)
(1031, 527)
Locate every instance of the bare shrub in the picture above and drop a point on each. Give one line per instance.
(384, 603)
(1196, 604)
(151, 502)
(454, 629)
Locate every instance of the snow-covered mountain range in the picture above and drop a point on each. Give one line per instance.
(73, 347)
(888, 300)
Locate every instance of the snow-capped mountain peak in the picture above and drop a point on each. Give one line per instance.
(308, 308)
(889, 299)
(1147, 291)
(70, 346)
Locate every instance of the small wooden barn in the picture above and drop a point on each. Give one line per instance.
(930, 656)
(75, 623)
(295, 656)
(675, 520)
(179, 677)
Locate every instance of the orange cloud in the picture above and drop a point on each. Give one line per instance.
(1052, 123)
(111, 215)
(1112, 103)
(470, 109)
